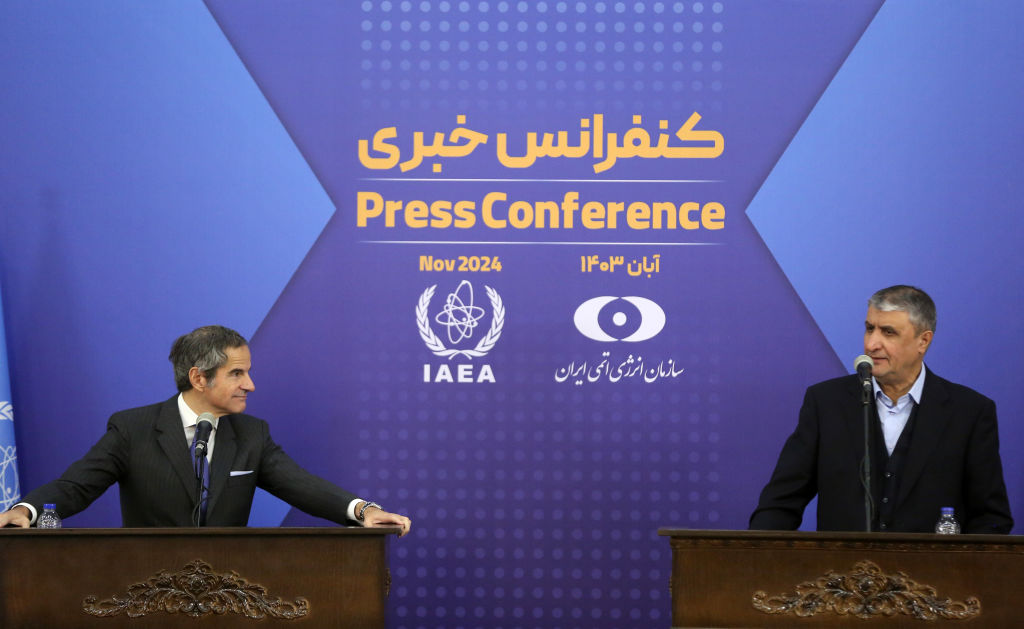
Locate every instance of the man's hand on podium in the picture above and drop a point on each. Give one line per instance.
(375, 516)
(16, 516)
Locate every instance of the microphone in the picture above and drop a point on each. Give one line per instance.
(203, 429)
(863, 364)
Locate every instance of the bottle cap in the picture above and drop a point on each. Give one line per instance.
(947, 510)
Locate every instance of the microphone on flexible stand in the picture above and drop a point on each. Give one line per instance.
(200, 443)
(863, 366)
(204, 426)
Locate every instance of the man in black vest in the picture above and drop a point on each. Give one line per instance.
(934, 443)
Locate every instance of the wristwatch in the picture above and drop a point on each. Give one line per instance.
(361, 516)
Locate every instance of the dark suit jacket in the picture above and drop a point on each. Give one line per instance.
(952, 461)
(145, 451)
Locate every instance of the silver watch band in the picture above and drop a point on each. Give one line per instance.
(366, 505)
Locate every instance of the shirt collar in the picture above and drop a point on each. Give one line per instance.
(189, 418)
(915, 391)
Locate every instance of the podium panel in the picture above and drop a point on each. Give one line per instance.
(174, 577)
(882, 580)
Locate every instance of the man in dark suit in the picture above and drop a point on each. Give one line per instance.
(934, 443)
(147, 451)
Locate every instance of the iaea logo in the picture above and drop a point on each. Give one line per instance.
(9, 490)
(460, 316)
(628, 319)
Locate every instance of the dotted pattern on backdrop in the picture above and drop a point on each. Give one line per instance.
(536, 506)
(540, 55)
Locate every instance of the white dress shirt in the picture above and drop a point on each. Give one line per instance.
(189, 420)
(895, 415)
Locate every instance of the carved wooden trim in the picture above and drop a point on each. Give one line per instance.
(866, 592)
(813, 544)
(196, 590)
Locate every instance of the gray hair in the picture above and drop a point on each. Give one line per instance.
(202, 348)
(915, 302)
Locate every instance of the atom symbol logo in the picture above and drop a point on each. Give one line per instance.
(459, 315)
(9, 492)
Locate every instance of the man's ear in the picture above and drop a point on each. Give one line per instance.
(197, 378)
(925, 341)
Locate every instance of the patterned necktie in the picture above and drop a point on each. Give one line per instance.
(206, 480)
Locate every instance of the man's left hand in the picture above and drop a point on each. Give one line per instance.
(379, 517)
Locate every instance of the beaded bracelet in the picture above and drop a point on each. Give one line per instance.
(367, 505)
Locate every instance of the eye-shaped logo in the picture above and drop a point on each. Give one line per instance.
(629, 319)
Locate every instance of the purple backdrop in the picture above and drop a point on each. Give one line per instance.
(190, 163)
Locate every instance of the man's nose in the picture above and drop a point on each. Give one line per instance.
(248, 385)
(871, 341)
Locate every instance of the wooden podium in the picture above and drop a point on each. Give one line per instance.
(871, 580)
(177, 577)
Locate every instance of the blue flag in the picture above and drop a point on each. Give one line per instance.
(10, 493)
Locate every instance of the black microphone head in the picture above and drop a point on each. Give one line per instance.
(863, 365)
(204, 426)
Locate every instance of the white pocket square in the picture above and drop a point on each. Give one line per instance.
(240, 472)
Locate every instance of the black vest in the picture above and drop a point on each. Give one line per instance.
(887, 469)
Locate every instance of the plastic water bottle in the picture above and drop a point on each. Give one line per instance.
(49, 519)
(947, 524)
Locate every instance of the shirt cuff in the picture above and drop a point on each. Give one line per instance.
(32, 511)
(352, 509)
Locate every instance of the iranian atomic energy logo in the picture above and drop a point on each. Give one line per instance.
(460, 317)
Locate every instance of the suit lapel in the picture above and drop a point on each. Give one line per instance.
(932, 418)
(223, 456)
(176, 449)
